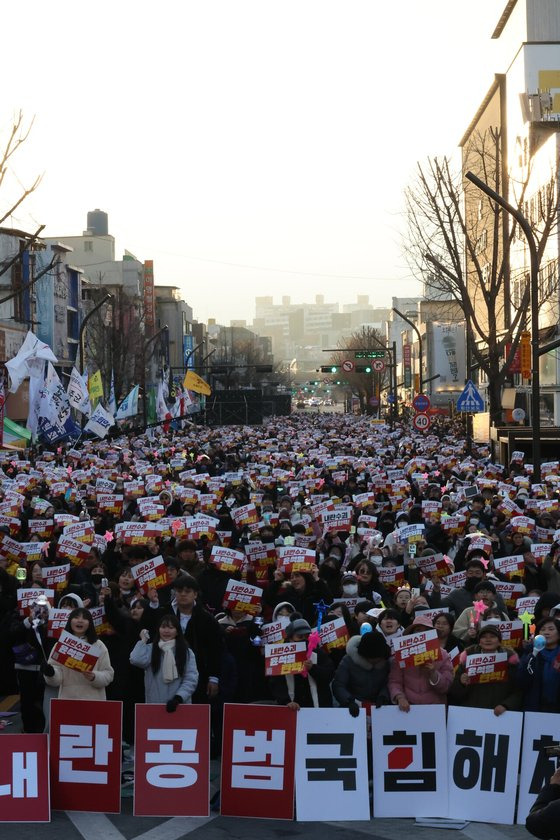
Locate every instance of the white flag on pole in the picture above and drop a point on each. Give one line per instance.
(100, 422)
(112, 405)
(129, 406)
(78, 395)
(28, 361)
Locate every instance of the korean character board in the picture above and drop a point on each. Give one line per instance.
(172, 761)
(24, 778)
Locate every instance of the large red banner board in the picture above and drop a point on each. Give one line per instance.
(24, 778)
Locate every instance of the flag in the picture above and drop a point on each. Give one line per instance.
(95, 386)
(129, 406)
(28, 361)
(36, 391)
(55, 406)
(100, 422)
(112, 406)
(193, 382)
(78, 395)
(161, 406)
(2, 402)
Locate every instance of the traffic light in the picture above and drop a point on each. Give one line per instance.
(329, 369)
(263, 368)
(363, 368)
(369, 354)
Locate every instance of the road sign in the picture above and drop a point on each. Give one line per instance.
(374, 401)
(470, 400)
(348, 365)
(421, 402)
(422, 422)
(378, 365)
(390, 398)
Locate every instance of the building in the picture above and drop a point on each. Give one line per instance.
(172, 310)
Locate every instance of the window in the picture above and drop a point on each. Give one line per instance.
(88, 245)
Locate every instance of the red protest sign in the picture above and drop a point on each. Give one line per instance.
(24, 778)
(110, 503)
(137, 533)
(274, 632)
(85, 758)
(339, 519)
(417, 649)
(245, 515)
(486, 667)
(81, 531)
(56, 577)
(510, 592)
(512, 565)
(172, 761)
(151, 574)
(27, 597)
(391, 577)
(334, 634)
(258, 757)
(74, 550)
(41, 528)
(290, 554)
(243, 597)
(74, 653)
(57, 622)
(285, 658)
(227, 559)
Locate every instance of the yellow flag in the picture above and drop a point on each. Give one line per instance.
(193, 382)
(95, 388)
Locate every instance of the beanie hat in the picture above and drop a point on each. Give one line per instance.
(484, 585)
(297, 625)
(73, 597)
(490, 627)
(374, 646)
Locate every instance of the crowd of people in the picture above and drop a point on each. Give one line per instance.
(407, 533)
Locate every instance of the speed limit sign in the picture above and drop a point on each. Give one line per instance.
(378, 365)
(422, 422)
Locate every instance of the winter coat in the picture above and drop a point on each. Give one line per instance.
(461, 598)
(295, 688)
(358, 679)
(461, 627)
(72, 685)
(157, 691)
(530, 678)
(552, 575)
(415, 685)
(544, 817)
(487, 695)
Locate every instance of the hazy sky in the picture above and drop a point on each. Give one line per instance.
(248, 147)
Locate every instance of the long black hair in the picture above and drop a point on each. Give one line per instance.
(181, 646)
(80, 612)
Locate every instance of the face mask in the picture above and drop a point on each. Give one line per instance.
(96, 579)
(376, 559)
(350, 588)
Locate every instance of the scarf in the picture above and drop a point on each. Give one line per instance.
(169, 667)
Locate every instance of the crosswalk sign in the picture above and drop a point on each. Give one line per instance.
(470, 399)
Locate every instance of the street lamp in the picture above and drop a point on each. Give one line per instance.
(146, 345)
(419, 337)
(535, 373)
(83, 327)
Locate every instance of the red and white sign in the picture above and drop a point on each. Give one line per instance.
(348, 365)
(288, 555)
(57, 622)
(82, 532)
(510, 592)
(110, 503)
(258, 758)
(172, 761)
(243, 597)
(378, 365)
(41, 528)
(334, 634)
(421, 421)
(512, 565)
(339, 519)
(227, 559)
(486, 667)
(74, 550)
(151, 574)
(56, 577)
(245, 515)
(24, 778)
(391, 577)
(287, 658)
(85, 757)
(74, 653)
(27, 597)
(274, 632)
(417, 648)
(137, 533)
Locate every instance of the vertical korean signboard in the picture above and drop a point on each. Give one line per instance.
(407, 365)
(149, 297)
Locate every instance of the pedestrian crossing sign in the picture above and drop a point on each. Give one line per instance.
(470, 399)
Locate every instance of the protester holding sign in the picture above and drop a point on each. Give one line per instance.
(170, 672)
(363, 673)
(73, 683)
(467, 623)
(498, 690)
(426, 683)
(297, 690)
(539, 670)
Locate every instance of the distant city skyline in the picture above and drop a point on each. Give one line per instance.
(248, 148)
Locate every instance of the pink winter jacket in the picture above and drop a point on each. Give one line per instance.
(414, 682)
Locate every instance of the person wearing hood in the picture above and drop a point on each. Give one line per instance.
(500, 696)
(420, 684)
(283, 610)
(363, 673)
(296, 691)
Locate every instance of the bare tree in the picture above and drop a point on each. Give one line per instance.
(460, 242)
(362, 385)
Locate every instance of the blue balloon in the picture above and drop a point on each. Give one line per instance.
(365, 628)
(539, 643)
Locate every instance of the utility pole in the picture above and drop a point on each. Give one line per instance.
(420, 350)
(144, 395)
